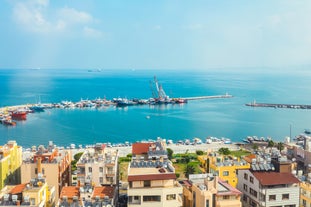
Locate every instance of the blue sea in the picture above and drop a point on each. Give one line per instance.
(198, 118)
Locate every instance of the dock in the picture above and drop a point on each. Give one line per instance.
(208, 97)
(279, 105)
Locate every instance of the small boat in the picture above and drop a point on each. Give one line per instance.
(8, 122)
(307, 131)
(147, 117)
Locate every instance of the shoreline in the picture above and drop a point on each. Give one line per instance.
(177, 148)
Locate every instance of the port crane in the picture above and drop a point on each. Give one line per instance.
(158, 92)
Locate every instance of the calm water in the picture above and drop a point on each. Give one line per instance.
(201, 118)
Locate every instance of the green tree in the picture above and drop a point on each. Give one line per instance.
(170, 153)
(255, 146)
(199, 152)
(224, 151)
(77, 156)
(280, 146)
(271, 143)
(189, 169)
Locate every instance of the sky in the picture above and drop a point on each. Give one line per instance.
(162, 34)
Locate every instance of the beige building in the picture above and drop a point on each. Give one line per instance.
(98, 166)
(54, 164)
(93, 196)
(151, 177)
(208, 190)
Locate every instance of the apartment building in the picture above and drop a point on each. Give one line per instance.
(10, 162)
(209, 190)
(98, 166)
(224, 166)
(34, 193)
(151, 177)
(269, 182)
(53, 164)
(73, 196)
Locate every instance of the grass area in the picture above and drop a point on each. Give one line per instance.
(123, 166)
(240, 153)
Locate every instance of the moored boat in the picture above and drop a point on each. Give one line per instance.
(19, 115)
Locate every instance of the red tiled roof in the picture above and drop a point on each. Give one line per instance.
(231, 190)
(103, 191)
(18, 189)
(275, 178)
(166, 176)
(249, 158)
(70, 191)
(140, 148)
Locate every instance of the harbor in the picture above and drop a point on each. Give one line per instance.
(279, 105)
(10, 114)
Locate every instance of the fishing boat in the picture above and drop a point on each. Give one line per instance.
(19, 114)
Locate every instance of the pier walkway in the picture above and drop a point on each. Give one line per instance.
(279, 105)
(208, 97)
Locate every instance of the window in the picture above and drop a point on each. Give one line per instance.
(285, 196)
(90, 169)
(101, 169)
(245, 187)
(43, 171)
(32, 201)
(36, 170)
(225, 173)
(131, 184)
(136, 197)
(245, 176)
(251, 179)
(147, 183)
(101, 179)
(253, 192)
(226, 197)
(272, 197)
(153, 198)
(244, 198)
(171, 197)
(207, 203)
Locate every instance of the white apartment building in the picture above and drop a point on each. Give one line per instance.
(98, 166)
(263, 187)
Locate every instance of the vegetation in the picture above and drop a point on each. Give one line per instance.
(74, 162)
(199, 152)
(169, 153)
(192, 168)
(224, 151)
(239, 153)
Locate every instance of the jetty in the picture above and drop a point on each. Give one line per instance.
(208, 97)
(279, 105)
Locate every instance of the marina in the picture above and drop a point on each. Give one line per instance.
(159, 97)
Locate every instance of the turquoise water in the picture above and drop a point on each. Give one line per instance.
(199, 118)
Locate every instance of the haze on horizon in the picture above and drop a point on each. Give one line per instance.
(160, 34)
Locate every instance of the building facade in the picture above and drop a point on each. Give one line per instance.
(208, 190)
(98, 166)
(53, 164)
(224, 166)
(10, 163)
(151, 177)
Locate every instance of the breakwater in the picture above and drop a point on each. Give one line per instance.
(279, 105)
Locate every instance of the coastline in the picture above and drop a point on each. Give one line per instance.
(177, 148)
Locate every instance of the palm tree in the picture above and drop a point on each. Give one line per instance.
(190, 169)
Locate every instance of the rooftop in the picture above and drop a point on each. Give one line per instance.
(93, 155)
(275, 178)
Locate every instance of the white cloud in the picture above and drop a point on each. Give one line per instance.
(73, 16)
(90, 32)
(36, 16)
